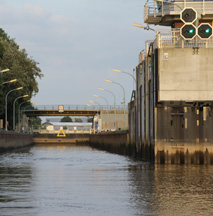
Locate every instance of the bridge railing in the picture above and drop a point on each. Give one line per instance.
(78, 107)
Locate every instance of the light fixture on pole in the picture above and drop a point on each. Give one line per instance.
(16, 89)
(19, 110)
(120, 71)
(11, 81)
(14, 110)
(143, 27)
(5, 70)
(101, 89)
(124, 102)
(94, 102)
(107, 119)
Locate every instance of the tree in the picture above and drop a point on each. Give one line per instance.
(78, 120)
(90, 120)
(66, 119)
(22, 67)
(35, 121)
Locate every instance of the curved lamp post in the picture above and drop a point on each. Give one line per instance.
(107, 119)
(16, 89)
(102, 98)
(11, 81)
(19, 107)
(5, 70)
(123, 98)
(101, 89)
(14, 110)
(143, 27)
(120, 71)
(94, 102)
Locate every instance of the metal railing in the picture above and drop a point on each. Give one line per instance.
(77, 107)
(156, 9)
(171, 38)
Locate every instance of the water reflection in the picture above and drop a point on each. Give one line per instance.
(173, 190)
(78, 180)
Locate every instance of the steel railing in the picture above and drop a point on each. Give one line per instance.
(171, 38)
(156, 9)
(77, 107)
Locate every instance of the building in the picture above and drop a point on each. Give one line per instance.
(171, 117)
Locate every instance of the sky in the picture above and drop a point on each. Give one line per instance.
(77, 44)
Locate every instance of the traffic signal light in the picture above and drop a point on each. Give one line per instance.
(188, 31)
(188, 15)
(204, 31)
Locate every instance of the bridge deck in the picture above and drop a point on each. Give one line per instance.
(31, 113)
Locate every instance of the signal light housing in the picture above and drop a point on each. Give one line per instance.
(188, 15)
(188, 31)
(204, 31)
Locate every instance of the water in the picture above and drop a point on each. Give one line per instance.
(78, 180)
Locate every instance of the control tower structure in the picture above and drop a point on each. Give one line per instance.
(171, 118)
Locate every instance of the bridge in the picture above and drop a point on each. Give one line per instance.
(68, 110)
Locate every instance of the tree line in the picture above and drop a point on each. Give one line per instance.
(21, 67)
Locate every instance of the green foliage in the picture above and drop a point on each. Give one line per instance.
(35, 121)
(66, 119)
(22, 67)
(90, 120)
(78, 120)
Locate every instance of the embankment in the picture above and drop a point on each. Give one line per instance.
(12, 140)
(114, 142)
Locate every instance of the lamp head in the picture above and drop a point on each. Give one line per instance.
(101, 89)
(95, 95)
(91, 101)
(5, 70)
(14, 80)
(116, 70)
(108, 81)
(138, 25)
(19, 88)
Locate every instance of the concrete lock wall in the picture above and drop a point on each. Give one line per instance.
(184, 135)
(173, 107)
(11, 140)
(184, 75)
(116, 142)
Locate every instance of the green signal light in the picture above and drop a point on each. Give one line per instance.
(207, 30)
(191, 31)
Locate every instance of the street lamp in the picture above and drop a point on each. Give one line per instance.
(5, 70)
(14, 110)
(107, 119)
(101, 89)
(143, 27)
(123, 98)
(11, 81)
(102, 98)
(93, 102)
(120, 71)
(16, 89)
(19, 107)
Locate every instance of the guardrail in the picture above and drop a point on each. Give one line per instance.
(173, 39)
(77, 107)
(155, 9)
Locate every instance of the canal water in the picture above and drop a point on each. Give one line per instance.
(79, 181)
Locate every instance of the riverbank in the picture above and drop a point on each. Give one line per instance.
(11, 140)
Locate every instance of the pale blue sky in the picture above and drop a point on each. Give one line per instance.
(78, 43)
